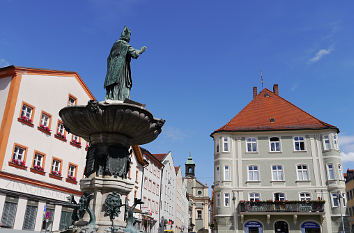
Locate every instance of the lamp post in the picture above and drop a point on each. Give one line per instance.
(339, 195)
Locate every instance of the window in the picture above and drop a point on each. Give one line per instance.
(277, 173)
(274, 144)
(45, 120)
(9, 212)
(335, 200)
(199, 192)
(302, 173)
(305, 197)
(218, 200)
(72, 171)
(199, 214)
(226, 199)
(225, 144)
(27, 112)
(38, 160)
(56, 165)
(226, 172)
(326, 142)
(19, 154)
(158, 190)
(60, 128)
(254, 196)
(217, 141)
(75, 138)
(30, 216)
(251, 144)
(217, 174)
(279, 197)
(330, 171)
(253, 174)
(340, 172)
(299, 143)
(71, 100)
(335, 141)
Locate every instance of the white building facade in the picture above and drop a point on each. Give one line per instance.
(277, 169)
(40, 163)
(181, 207)
(168, 191)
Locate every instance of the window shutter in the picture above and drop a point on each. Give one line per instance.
(9, 214)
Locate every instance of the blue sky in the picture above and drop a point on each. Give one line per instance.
(202, 60)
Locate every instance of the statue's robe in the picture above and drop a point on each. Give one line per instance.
(118, 80)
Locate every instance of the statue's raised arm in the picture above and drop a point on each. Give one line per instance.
(118, 80)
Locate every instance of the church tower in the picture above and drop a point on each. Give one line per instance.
(189, 167)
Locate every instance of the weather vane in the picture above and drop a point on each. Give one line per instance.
(262, 79)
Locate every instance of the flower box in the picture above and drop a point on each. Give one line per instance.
(55, 175)
(44, 129)
(25, 120)
(60, 137)
(18, 164)
(75, 143)
(38, 170)
(71, 179)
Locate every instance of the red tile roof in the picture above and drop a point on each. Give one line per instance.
(176, 169)
(159, 156)
(269, 112)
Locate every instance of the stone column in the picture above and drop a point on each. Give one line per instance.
(57, 216)
(20, 213)
(39, 217)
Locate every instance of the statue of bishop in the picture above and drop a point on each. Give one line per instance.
(118, 80)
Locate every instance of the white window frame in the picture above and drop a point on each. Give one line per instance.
(335, 141)
(217, 173)
(45, 119)
(17, 155)
(76, 138)
(330, 172)
(60, 129)
(217, 200)
(303, 171)
(36, 161)
(227, 172)
(279, 173)
(326, 146)
(253, 172)
(332, 199)
(217, 145)
(299, 141)
(306, 196)
(226, 199)
(71, 103)
(270, 145)
(340, 171)
(254, 196)
(71, 172)
(26, 111)
(225, 141)
(284, 197)
(251, 141)
(56, 165)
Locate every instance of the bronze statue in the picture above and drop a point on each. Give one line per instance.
(118, 80)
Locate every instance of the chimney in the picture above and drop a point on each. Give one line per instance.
(254, 92)
(275, 89)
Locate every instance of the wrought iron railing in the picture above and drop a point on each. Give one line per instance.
(282, 206)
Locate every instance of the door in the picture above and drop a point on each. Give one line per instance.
(281, 227)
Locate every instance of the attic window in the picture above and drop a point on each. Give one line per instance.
(266, 95)
(272, 120)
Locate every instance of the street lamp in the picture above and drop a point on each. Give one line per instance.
(340, 196)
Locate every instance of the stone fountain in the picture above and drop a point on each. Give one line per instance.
(111, 127)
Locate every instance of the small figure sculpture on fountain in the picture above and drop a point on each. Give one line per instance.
(129, 215)
(118, 80)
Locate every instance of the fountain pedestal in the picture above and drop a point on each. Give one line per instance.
(110, 128)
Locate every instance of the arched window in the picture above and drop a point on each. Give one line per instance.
(281, 227)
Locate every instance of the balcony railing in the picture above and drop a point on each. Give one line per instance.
(282, 206)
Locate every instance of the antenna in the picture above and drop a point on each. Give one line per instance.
(262, 79)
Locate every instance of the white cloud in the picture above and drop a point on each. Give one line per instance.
(174, 133)
(320, 54)
(3, 63)
(347, 157)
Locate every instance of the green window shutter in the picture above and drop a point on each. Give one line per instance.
(9, 214)
(65, 220)
(30, 217)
